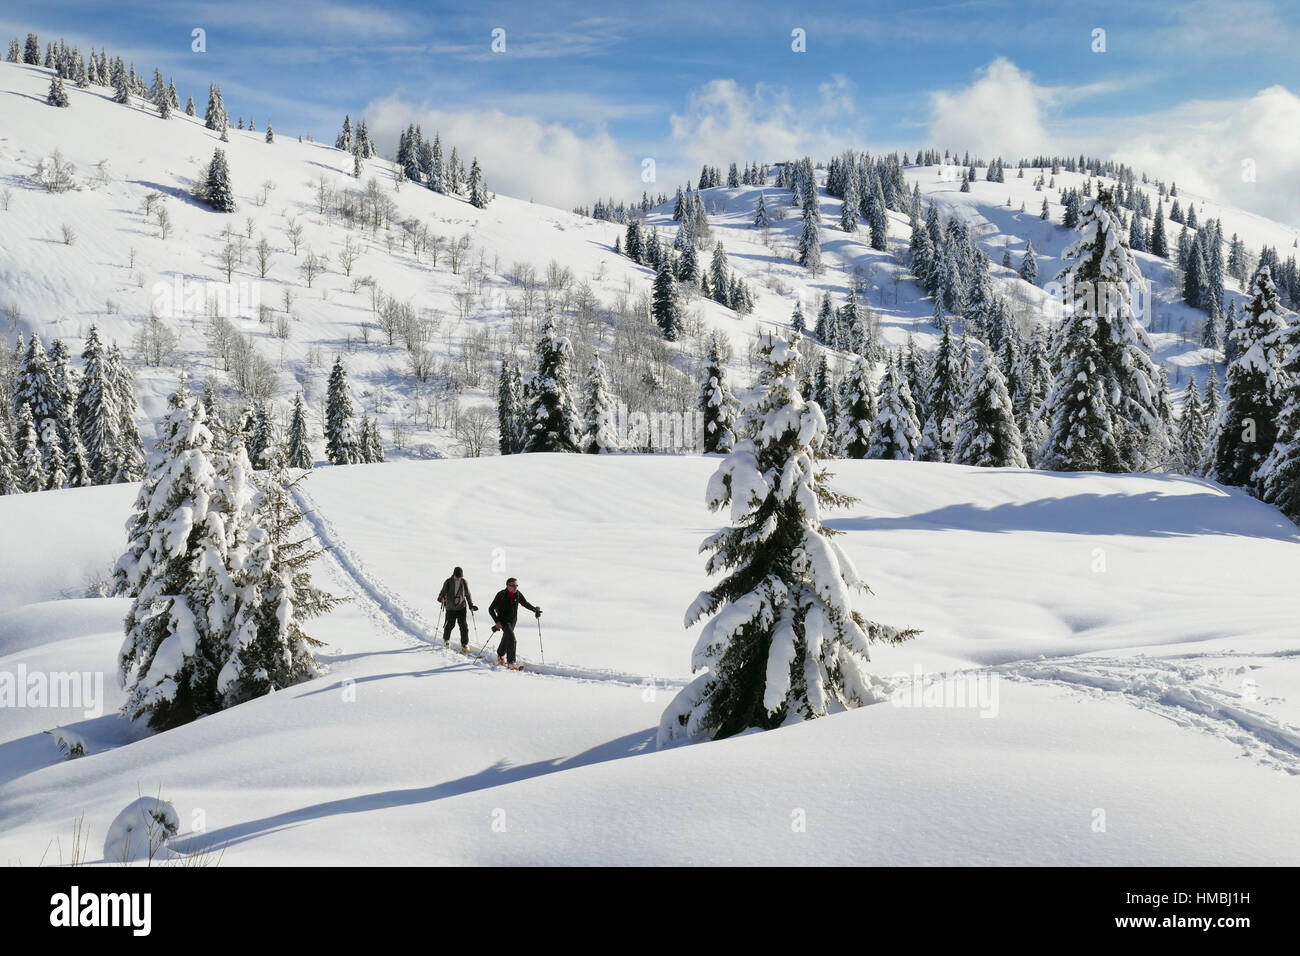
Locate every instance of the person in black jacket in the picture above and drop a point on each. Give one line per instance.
(505, 612)
(455, 598)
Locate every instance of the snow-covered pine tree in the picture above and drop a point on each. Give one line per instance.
(270, 133)
(810, 242)
(798, 325)
(36, 389)
(298, 453)
(762, 219)
(56, 463)
(57, 95)
(600, 436)
(267, 648)
(129, 452)
(988, 436)
(510, 409)
(553, 423)
(1256, 385)
(261, 436)
(943, 403)
(1029, 265)
(189, 106)
(97, 414)
(160, 96)
(664, 306)
(857, 412)
(9, 482)
(215, 116)
(27, 449)
(1101, 275)
(1193, 430)
(1081, 434)
(878, 217)
(895, 432)
(214, 188)
(341, 442)
(185, 537)
(121, 88)
(785, 645)
(478, 194)
(716, 402)
(371, 443)
(1279, 477)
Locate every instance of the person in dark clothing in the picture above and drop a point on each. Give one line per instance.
(455, 598)
(505, 612)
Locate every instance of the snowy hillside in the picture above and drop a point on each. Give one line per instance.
(1070, 610)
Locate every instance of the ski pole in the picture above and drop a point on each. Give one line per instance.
(485, 643)
(539, 638)
(437, 628)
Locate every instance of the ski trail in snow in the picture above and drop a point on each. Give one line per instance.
(1181, 691)
(388, 609)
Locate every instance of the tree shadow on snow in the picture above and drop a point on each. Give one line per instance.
(496, 775)
(1144, 515)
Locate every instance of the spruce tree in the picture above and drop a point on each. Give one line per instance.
(129, 454)
(9, 482)
(267, 648)
(784, 644)
(988, 436)
(810, 242)
(716, 402)
(1193, 430)
(214, 189)
(943, 402)
(57, 95)
(664, 307)
(1101, 275)
(31, 474)
(857, 412)
(510, 409)
(600, 436)
(895, 432)
(1029, 265)
(298, 453)
(186, 535)
(761, 218)
(554, 425)
(341, 442)
(478, 194)
(97, 413)
(1256, 383)
(1279, 477)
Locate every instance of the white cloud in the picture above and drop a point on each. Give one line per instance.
(520, 155)
(722, 121)
(1200, 144)
(1002, 112)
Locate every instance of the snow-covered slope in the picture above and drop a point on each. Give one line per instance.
(1130, 639)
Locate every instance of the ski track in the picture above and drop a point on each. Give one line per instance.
(390, 611)
(1181, 691)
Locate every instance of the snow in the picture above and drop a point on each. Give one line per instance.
(1115, 687)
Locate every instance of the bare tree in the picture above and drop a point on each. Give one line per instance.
(476, 429)
(293, 232)
(229, 259)
(263, 257)
(164, 222)
(347, 256)
(69, 235)
(311, 267)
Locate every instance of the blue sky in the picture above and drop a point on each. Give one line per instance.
(598, 87)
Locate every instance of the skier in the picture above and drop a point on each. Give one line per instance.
(505, 611)
(455, 597)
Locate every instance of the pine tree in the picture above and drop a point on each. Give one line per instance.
(719, 275)
(553, 421)
(31, 462)
(215, 117)
(600, 436)
(895, 432)
(186, 534)
(849, 206)
(1101, 275)
(716, 402)
(786, 646)
(341, 441)
(9, 482)
(510, 409)
(1193, 430)
(664, 307)
(988, 436)
(798, 326)
(267, 648)
(1029, 265)
(97, 414)
(129, 453)
(1256, 383)
(761, 218)
(57, 96)
(943, 403)
(478, 195)
(878, 218)
(810, 242)
(298, 454)
(215, 189)
(121, 88)
(189, 106)
(261, 437)
(1279, 477)
(270, 134)
(857, 412)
